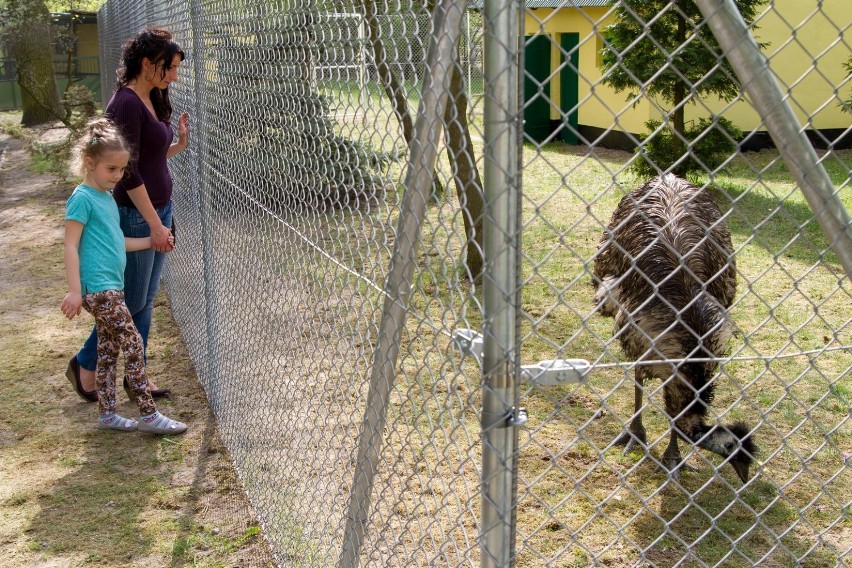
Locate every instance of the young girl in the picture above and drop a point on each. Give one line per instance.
(94, 266)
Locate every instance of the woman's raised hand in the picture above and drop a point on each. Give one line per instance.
(183, 129)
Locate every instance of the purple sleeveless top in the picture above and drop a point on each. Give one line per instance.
(149, 141)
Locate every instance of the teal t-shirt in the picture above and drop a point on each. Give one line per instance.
(102, 249)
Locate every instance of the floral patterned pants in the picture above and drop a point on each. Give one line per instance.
(116, 333)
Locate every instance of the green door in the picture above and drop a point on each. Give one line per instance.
(569, 86)
(537, 87)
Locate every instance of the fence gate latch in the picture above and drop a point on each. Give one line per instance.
(550, 372)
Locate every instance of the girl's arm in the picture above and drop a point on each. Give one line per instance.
(73, 301)
(183, 136)
(132, 244)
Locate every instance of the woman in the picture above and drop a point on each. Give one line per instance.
(140, 107)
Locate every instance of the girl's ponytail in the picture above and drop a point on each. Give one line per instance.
(101, 135)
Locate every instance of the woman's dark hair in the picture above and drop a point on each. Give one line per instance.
(160, 48)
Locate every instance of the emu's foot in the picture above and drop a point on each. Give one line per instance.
(632, 438)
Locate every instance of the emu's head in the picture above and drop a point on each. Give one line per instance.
(738, 447)
(733, 442)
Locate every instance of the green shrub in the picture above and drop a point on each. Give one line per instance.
(709, 143)
(79, 104)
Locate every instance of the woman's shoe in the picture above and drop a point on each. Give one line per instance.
(73, 374)
(155, 393)
(128, 391)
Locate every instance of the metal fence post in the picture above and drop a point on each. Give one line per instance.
(753, 70)
(201, 178)
(418, 185)
(500, 289)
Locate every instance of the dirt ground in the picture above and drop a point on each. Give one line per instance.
(71, 495)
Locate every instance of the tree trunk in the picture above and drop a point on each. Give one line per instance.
(459, 143)
(465, 173)
(678, 121)
(29, 41)
(393, 88)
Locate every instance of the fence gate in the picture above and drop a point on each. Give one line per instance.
(418, 325)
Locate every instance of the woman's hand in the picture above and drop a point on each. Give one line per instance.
(161, 239)
(183, 130)
(71, 305)
(183, 137)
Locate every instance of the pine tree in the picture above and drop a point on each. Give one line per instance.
(272, 117)
(663, 49)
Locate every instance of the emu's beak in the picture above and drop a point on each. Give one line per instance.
(741, 466)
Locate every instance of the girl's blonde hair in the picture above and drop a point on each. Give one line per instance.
(101, 135)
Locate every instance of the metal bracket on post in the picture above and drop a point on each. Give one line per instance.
(469, 342)
(547, 373)
(521, 417)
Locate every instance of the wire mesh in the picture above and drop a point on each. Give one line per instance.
(288, 210)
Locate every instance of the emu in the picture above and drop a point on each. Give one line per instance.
(665, 271)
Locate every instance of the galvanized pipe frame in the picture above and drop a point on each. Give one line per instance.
(201, 168)
(428, 129)
(501, 365)
(752, 68)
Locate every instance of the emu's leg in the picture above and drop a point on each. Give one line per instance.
(635, 433)
(672, 460)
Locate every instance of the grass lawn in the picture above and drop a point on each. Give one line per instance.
(581, 500)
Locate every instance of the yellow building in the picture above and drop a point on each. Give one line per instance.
(76, 32)
(807, 44)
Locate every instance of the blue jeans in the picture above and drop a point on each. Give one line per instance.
(141, 280)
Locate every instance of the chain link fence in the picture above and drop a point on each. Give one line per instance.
(393, 221)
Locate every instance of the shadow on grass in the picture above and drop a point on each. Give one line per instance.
(719, 522)
(130, 491)
(95, 510)
(781, 227)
